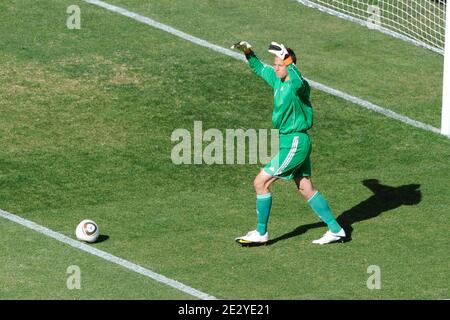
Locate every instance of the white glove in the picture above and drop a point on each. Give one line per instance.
(279, 50)
(242, 46)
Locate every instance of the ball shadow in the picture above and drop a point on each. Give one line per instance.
(102, 237)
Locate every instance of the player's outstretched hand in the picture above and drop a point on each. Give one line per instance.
(243, 46)
(279, 50)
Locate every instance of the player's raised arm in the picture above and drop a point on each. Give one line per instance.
(261, 69)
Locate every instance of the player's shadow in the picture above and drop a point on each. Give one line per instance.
(384, 198)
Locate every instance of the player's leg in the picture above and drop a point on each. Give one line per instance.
(320, 206)
(305, 187)
(262, 183)
(260, 235)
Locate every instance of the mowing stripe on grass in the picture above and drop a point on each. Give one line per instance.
(106, 256)
(228, 52)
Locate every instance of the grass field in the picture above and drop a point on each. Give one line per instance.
(85, 127)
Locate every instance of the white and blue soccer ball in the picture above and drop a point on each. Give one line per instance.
(87, 230)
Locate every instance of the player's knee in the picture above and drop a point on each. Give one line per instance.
(260, 185)
(306, 188)
(307, 193)
(304, 193)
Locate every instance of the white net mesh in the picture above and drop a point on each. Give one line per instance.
(419, 21)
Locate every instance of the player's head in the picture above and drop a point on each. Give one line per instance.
(292, 54)
(280, 68)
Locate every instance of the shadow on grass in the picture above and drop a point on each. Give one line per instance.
(102, 237)
(384, 198)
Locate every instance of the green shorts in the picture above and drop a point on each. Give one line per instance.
(293, 157)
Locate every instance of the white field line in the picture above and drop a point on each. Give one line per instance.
(106, 256)
(238, 56)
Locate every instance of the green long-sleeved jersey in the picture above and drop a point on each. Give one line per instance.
(292, 110)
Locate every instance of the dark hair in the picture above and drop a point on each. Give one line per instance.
(292, 54)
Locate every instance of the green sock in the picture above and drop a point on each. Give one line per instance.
(263, 205)
(320, 206)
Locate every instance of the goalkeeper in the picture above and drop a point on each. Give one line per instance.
(292, 116)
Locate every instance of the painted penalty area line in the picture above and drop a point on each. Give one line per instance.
(360, 102)
(106, 256)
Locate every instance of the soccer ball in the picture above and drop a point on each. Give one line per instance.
(87, 230)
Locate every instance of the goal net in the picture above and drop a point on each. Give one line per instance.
(421, 22)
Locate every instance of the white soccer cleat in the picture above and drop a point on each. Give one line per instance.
(329, 237)
(253, 237)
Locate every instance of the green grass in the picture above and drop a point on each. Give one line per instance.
(85, 131)
(36, 267)
(365, 63)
